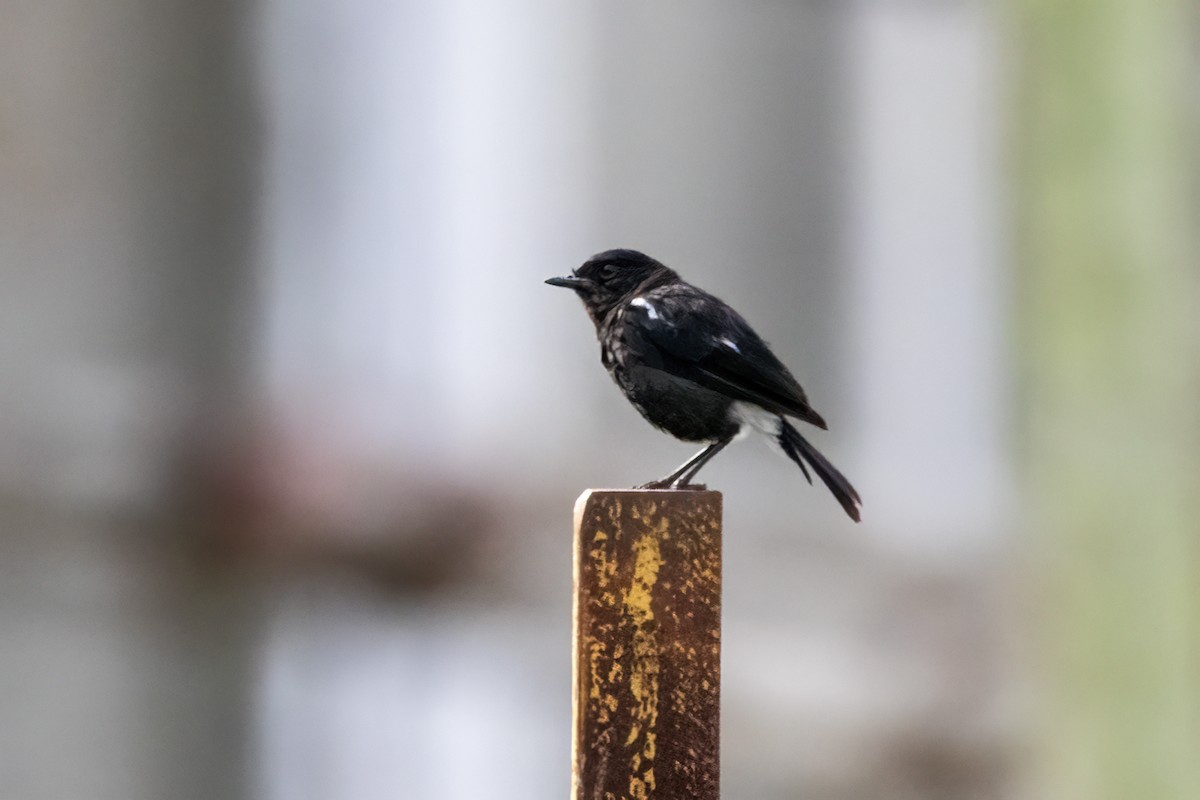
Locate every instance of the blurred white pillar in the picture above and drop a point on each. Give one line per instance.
(346, 250)
(428, 166)
(518, 156)
(427, 169)
(928, 293)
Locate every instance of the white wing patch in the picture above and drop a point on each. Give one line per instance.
(646, 304)
(730, 344)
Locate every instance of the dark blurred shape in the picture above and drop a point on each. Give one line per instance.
(300, 501)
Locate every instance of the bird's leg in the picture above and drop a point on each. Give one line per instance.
(682, 477)
(700, 460)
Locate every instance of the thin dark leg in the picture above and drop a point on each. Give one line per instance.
(682, 477)
(701, 460)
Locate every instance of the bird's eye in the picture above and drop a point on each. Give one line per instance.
(608, 272)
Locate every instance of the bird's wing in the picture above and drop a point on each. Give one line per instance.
(692, 335)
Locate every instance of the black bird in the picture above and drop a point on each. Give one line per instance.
(693, 367)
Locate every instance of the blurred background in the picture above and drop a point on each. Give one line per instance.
(292, 430)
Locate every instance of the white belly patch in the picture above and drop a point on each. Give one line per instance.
(752, 417)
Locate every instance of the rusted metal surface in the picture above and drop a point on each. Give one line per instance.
(647, 645)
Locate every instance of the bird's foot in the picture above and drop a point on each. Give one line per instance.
(676, 485)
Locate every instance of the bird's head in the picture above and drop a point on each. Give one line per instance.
(606, 279)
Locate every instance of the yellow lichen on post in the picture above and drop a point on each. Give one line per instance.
(647, 645)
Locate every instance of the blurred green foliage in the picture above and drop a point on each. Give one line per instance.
(1108, 215)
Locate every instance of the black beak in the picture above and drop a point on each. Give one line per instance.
(568, 282)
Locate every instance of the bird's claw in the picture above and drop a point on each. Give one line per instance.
(691, 487)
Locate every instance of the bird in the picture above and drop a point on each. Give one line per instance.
(694, 368)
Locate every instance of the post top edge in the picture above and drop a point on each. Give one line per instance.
(589, 495)
(646, 492)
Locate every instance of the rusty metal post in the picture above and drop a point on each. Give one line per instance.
(647, 646)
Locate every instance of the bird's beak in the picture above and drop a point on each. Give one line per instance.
(568, 282)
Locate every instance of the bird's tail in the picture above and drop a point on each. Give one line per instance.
(797, 448)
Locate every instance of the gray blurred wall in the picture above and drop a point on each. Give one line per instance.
(126, 181)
